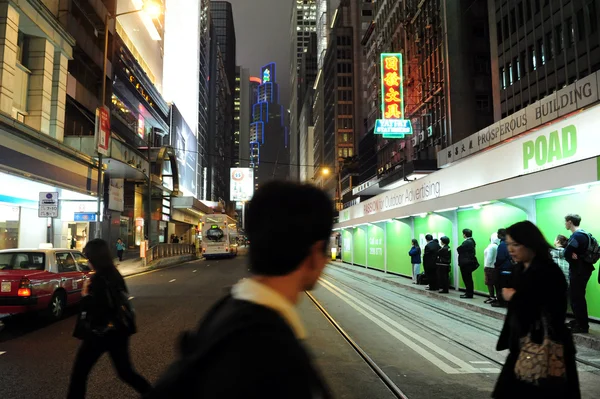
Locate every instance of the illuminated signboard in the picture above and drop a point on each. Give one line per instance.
(266, 75)
(392, 125)
(241, 184)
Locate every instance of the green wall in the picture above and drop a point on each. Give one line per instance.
(398, 236)
(435, 225)
(484, 222)
(347, 246)
(360, 246)
(550, 219)
(375, 246)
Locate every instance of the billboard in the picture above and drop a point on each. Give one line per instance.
(185, 144)
(242, 184)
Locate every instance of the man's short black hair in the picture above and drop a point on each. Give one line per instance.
(501, 233)
(573, 218)
(428, 237)
(445, 240)
(468, 233)
(284, 220)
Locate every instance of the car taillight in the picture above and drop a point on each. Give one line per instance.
(24, 287)
(226, 249)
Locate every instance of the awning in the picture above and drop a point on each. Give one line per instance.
(188, 210)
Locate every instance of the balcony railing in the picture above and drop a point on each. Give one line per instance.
(167, 250)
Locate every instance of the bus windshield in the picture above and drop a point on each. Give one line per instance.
(215, 234)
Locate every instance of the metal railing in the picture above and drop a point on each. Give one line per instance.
(166, 250)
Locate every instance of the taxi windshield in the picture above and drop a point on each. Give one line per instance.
(22, 261)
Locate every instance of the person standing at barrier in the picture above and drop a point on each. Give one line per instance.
(504, 267)
(443, 262)
(580, 271)
(558, 255)
(468, 263)
(249, 344)
(429, 261)
(489, 256)
(541, 359)
(415, 260)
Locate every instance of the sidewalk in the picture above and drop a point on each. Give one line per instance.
(591, 340)
(132, 266)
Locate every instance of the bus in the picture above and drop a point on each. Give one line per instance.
(219, 236)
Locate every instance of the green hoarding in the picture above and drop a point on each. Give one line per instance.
(484, 222)
(347, 246)
(360, 246)
(375, 246)
(550, 219)
(397, 239)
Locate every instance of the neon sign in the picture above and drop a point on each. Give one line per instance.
(392, 125)
(266, 75)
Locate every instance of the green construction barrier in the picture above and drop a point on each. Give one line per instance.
(397, 239)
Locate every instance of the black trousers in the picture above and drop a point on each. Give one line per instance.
(90, 351)
(443, 277)
(432, 277)
(501, 282)
(467, 276)
(579, 280)
(120, 254)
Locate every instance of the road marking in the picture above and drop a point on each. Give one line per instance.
(479, 362)
(172, 280)
(594, 360)
(2, 353)
(404, 334)
(130, 298)
(194, 271)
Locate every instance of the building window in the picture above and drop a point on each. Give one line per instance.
(593, 17)
(499, 32)
(570, 32)
(482, 102)
(510, 73)
(521, 16)
(513, 21)
(523, 63)
(537, 6)
(580, 25)
(532, 59)
(350, 152)
(541, 52)
(503, 77)
(505, 29)
(560, 43)
(550, 45)
(517, 65)
(528, 8)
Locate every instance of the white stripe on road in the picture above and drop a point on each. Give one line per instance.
(194, 271)
(172, 280)
(479, 362)
(404, 335)
(130, 298)
(2, 353)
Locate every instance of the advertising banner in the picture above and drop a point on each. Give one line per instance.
(185, 144)
(102, 130)
(241, 184)
(115, 195)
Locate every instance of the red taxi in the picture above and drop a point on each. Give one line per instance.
(45, 280)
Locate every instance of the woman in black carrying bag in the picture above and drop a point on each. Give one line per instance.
(541, 361)
(104, 324)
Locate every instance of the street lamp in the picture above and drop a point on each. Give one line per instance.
(325, 171)
(152, 10)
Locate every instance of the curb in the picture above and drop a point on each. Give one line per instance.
(167, 264)
(590, 341)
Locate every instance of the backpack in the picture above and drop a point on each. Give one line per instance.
(592, 252)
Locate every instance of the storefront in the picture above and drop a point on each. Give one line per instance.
(540, 176)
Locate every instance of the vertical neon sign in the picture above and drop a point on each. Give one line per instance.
(392, 125)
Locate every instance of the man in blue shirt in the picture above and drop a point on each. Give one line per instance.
(504, 268)
(579, 271)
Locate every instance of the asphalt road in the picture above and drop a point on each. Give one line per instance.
(37, 357)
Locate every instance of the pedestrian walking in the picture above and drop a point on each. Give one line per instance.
(120, 249)
(489, 267)
(415, 259)
(249, 343)
(104, 324)
(443, 261)
(541, 359)
(430, 254)
(504, 267)
(580, 270)
(467, 262)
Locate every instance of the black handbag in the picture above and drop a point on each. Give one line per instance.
(124, 313)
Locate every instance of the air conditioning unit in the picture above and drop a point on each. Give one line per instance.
(414, 141)
(421, 136)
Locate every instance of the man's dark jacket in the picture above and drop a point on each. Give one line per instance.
(242, 350)
(430, 253)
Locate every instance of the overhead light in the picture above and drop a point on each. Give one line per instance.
(420, 215)
(475, 206)
(145, 15)
(530, 195)
(447, 209)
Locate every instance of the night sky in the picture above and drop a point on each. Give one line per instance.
(262, 30)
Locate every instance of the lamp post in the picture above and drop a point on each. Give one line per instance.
(153, 10)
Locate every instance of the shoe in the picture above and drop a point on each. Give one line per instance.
(576, 329)
(465, 296)
(443, 292)
(498, 304)
(490, 300)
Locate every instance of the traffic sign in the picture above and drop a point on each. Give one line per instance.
(48, 205)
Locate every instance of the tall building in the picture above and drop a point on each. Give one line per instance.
(539, 48)
(302, 24)
(447, 80)
(221, 16)
(269, 138)
(203, 99)
(306, 82)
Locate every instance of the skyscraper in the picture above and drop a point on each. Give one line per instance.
(241, 118)
(302, 24)
(269, 141)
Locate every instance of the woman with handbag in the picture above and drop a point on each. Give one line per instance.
(105, 323)
(541, 359)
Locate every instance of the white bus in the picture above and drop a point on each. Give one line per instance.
(219, 236)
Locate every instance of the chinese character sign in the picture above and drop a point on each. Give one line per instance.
(392, 102)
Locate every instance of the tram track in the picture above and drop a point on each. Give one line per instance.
(455, 316)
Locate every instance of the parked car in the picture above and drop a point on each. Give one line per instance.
(47, 280)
